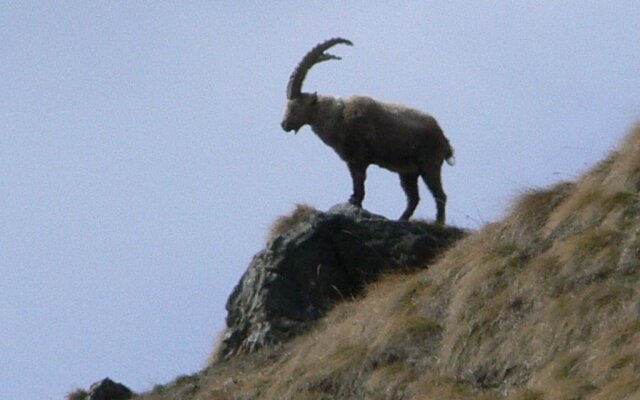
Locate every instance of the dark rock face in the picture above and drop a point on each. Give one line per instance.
(107, 389)
(325, 258)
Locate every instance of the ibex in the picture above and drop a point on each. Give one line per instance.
(364, 131)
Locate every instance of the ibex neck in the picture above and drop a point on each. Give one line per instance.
(328, 120)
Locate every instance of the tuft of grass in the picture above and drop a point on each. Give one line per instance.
(625, 169)
(186, 379)
(159, 389)
(286, 223)
(420, 326)
(584, 206)
(413, 288)
(603, 167)
(430, 387)
(527, 394)
(610, 186)
(623, 362)
(338, 371)
(567, 366)
(593, 241)
(78, 394)
(626, 334)
(621, 199)
(533, 207)
(590, 254)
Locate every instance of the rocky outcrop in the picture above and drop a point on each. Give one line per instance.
(107, 389)
(319, 259)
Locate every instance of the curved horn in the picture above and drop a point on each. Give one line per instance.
(315, 56)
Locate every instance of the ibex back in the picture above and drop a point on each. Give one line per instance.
(364, 131)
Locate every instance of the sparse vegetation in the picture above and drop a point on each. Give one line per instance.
(286, 223)
(78, 394)
(542, 305)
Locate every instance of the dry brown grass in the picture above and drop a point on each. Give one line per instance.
(286, 223)
(78, 394)
(612, 186)
(543, 305)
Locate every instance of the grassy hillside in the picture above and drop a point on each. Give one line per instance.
(542, 305)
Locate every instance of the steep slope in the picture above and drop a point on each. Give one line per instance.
(542, 305)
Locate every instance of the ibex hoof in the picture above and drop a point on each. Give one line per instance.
(356, 202)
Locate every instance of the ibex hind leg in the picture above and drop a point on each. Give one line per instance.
(409, 184)
(434, 182)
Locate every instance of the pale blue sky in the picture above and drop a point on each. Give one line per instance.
(142, 162)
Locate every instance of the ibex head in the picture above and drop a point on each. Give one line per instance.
(300, 106)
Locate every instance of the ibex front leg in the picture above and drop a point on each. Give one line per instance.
(409, 184)
(358, 175)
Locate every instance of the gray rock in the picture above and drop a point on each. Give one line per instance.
(107, 389)
(325, 258)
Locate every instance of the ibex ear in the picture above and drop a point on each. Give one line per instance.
(314, 98)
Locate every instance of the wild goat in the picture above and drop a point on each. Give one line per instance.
(365, 131)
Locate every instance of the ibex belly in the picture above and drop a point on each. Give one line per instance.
(398, 153)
